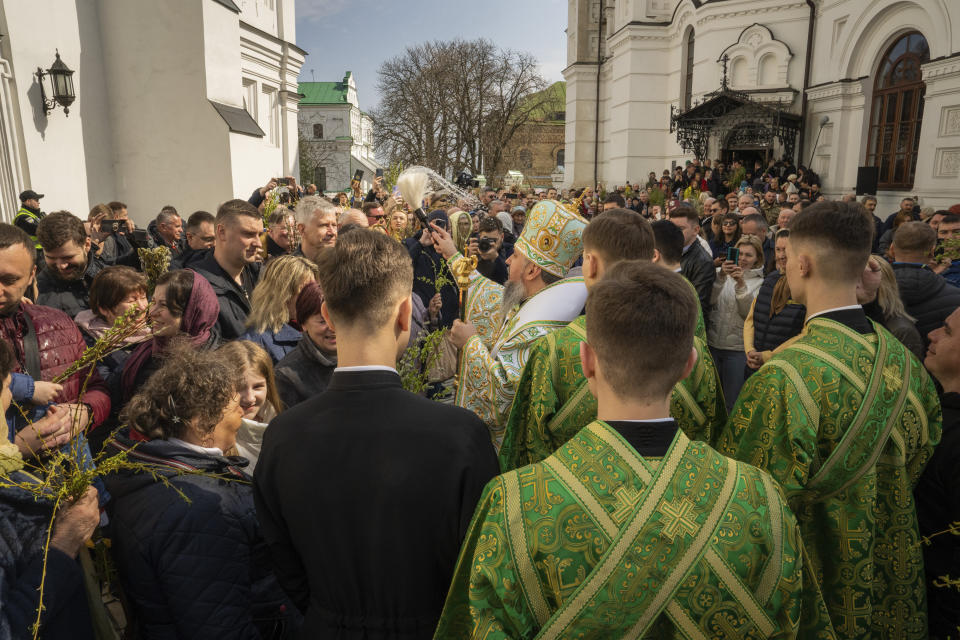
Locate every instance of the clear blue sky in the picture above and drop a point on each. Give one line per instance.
(358, 35)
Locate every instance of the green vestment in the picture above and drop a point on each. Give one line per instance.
(596, 541)
(552, 401)
(846, 422)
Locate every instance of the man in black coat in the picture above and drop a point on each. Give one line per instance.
(365, 492)
(64, 282)
(926, 296)
(429, 267)
(232, 268)
(938, 491)
(696, 265)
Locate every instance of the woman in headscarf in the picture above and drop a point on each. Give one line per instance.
(306, 370)
(184, 305)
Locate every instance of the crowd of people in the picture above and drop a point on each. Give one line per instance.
(715, 405)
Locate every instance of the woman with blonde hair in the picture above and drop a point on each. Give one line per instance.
(259, 399)
(272, 322)
(880, 296)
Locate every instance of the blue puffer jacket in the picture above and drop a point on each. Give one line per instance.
(276, 344)
(196, 569)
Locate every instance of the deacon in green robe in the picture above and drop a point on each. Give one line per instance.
(629, 529)
(552, 401)
(845, 419)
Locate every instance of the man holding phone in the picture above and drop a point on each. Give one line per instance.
(427, 265)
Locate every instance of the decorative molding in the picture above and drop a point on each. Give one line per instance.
(950, 121)
(721, 14)
(835, 90)
(947, 162)
(756, 44)
(940, 69)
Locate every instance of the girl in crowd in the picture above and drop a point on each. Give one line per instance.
(272, 322)
(259, 399)
(184, 305)
(733, 293)
(113, 292)
(187, 545)
(306, 370)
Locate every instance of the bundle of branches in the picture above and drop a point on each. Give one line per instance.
(155, 263)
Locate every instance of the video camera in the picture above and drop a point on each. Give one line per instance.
(465, 180)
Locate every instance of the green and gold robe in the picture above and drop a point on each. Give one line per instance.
(597, 541)
(491, 361)
(553, 402)
(846, 422)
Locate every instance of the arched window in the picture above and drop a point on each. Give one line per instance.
(688, 70)
(897, 112)
(318, 131)
(560, 158)
(525, 159)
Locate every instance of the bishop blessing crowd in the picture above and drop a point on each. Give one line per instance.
(717, 405)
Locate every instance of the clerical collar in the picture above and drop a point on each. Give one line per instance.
(650, 438)
(826, 311)
(853, 317)
(365, 367)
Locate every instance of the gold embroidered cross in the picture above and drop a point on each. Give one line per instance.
(627, 500)
(891, 373)
(677, 518)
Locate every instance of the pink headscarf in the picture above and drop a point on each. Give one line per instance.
(199, 317)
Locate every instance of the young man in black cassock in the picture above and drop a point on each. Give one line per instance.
(365, 492)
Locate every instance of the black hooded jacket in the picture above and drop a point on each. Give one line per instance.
(70, 296)
(234, 300)
(927, 296)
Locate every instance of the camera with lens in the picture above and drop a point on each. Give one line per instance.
(465, 180)
(485, 244)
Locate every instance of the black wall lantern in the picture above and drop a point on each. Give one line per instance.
(61, 81)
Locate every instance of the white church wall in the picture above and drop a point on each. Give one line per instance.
(53, 145)
(851, 38)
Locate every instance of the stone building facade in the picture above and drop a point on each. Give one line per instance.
(537, 148)
(336, 137)
(869, 82)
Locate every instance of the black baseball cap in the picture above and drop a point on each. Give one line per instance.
(29, 194)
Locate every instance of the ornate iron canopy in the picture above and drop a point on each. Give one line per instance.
(738, 121)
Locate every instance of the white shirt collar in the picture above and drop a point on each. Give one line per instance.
(209, 451)
(846, 308)
(365, 367)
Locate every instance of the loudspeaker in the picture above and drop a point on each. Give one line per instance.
(867, 178)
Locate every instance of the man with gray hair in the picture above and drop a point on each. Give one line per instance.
(354, 218)
(167, 231)
(316, 224)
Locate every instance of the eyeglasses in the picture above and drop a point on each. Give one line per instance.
(715, 209)
(729, 223)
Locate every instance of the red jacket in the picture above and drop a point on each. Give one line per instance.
(61, 344)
